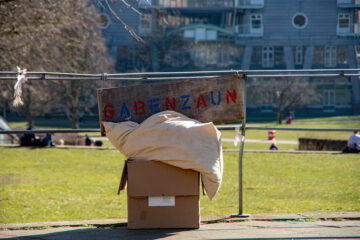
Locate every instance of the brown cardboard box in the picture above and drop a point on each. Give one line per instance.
(161, 195)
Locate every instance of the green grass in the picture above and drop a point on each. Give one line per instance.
(289, 183)
(295, 135)
(52, 184)
(76, 184)
(259, 146)
(328, 122)
(330, 119)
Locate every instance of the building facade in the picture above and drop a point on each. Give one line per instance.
(245, 34)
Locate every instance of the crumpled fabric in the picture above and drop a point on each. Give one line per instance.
(173, 138)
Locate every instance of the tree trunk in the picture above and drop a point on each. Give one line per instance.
(74, 118)
(30, 120)
(4, 110)
(279, 115)
(30, 117)
(74, 122)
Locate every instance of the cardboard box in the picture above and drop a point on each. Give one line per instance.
(160, 195)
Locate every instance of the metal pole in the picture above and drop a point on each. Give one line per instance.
(218, 127)
(241, 151)
(96, 130)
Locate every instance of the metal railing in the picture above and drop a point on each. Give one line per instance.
(232, 127)
(246, 29)
(188, 4)
(348, 2)
(41, 76)
(164, 76)
(249, 3)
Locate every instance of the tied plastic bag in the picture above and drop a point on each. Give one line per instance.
(173, 138)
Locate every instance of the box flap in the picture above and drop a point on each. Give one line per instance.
(124, 178)
(153, 178)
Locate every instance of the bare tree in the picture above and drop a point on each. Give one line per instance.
(50, 35)
(285, 94)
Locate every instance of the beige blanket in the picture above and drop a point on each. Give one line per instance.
(175, 139)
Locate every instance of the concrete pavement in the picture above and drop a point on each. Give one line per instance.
(235, 230)
(258, 226)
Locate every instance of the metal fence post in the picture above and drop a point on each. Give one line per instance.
(241, 151)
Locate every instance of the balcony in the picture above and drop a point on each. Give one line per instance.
(249, 4)
(247, 30)
(348, 3)
(212, 4)
(349, 31)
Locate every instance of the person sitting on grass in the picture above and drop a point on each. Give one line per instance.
(88, 141)
(274, 146)
(354, 142)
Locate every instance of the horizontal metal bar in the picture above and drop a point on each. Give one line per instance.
(162, 78)
(174, 73)
(187, 73)
(188, 77)
(49, 131)
(46, 79)
(240, 71)
(289, 129)
(113, 78)
(232, 127)
(301, 75)
(304, 70)
(57, 73)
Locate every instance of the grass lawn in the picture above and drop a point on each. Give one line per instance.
(329, 122)
(295, 135)
(75, 184)
(259, 146)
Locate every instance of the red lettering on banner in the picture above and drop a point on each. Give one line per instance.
(171, 104)
(232, 96)
(109, 111)
(139, 108)
(201, 101)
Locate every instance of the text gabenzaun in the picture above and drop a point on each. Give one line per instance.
(156, 105)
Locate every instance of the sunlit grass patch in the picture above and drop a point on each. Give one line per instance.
(77, 184)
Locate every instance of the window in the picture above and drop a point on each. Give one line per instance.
(318, 59)
(145, 24)
(330, 57)
(167, 3)
(268, 56)
(329, 97)
(299, 55)
(299, 21)
(342, 56)
(211, 35)
(357, 50)
(344, 21)
(279, 56)
(103, 21)
(189, 34)
(228, 19)
(201, 34)
(257, 2)
(256, 25)
(144, 3)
